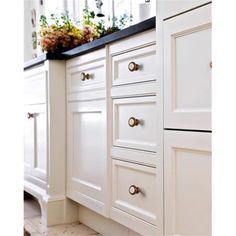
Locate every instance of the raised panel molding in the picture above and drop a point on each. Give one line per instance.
(179, 102)
(86, 154)
(142, 136)
(36, 141)
(35, 86)
(187, 181)
(144, 57)
(187, 70)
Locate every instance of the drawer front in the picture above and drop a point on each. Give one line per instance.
(187, 70)
(86, 73)
(35, 84)
(135, 123)
(134, 66)
(134, 190)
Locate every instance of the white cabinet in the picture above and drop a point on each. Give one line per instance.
(87, 130)
(187, 70)
(136, 187)
(44, 141)
(187, 183)
(35, 144)
(86, 153)
(35, 127)
(187, 123)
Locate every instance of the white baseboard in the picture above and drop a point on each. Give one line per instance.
(55, 210)
(103, 225)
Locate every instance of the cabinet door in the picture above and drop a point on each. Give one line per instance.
(86, 154)
(35, 144)
(187, 183)
(187, 70)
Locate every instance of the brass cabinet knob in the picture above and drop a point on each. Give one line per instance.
(134, 190)
(133, 66)
(84, 76)
(30, 115)
(210, 64)
(133, 122)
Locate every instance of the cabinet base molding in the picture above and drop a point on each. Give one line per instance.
(103, 225)
(87, 201)
(55, 210)
(128, 220)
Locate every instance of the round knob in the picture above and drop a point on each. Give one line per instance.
(84, 76)
(210, 64)
(134, 190)
(133, 122)
(133, 66)
(30, 115)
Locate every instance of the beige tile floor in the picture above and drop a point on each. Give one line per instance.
(32, 224)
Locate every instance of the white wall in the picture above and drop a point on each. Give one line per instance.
(28, 28)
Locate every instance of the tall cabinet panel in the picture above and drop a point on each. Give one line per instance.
(35, 140)
(35, 127)
(187, 183)
(187, 70)
(87, 153)
(187, 123)
(87, 130)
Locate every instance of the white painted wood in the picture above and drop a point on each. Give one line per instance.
(160, 120)
(138, 89)
(144, 57)
(137, 145)
(187, 181)
(144, 39)
(35, 142)
(187, 71)
(134, 223)
(141, 205)
(142, 136)
(86, 153)
(45, 154)
(96, 79)
(136, 156)
(87, 95)
(88, 57)
(35, 82)
(171, 8)
(103, 225)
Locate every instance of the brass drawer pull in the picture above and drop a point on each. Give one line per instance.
(210, 64)
(134, 190)
(133, 122)
(30, 115)
(133, 66)
(84, 76)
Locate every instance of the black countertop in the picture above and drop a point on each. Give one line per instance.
(96, 44)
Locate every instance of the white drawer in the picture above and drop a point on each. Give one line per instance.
(128, 178)
(141, 136)
(86, 73)
(35, 84)
(135, 66)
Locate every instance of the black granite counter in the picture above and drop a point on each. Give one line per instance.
(96, 44)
